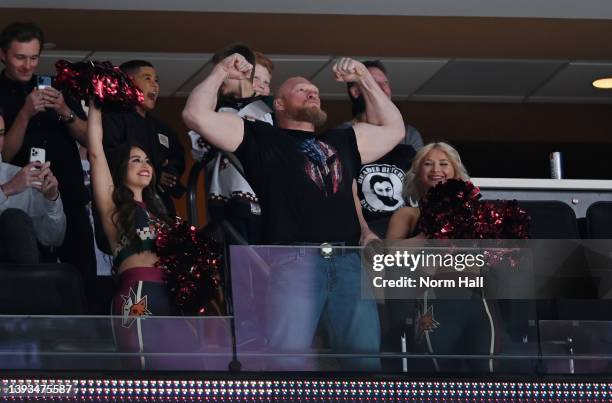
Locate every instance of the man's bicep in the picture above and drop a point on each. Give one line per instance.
(223, 130)
(370, 142)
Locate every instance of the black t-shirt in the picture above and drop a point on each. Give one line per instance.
(303, 181)
(46, 131)
(380, 183)
(149, 133)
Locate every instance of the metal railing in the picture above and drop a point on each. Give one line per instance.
(192, 193)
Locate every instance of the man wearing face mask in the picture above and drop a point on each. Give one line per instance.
(140, 127)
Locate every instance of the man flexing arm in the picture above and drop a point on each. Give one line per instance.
(385, 126)
(223, 130)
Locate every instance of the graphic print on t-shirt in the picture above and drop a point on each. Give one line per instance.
(381, 186)
(323, 166)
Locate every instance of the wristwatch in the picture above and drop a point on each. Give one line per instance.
(67, 119)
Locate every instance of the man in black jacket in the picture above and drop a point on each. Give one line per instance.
(139, 127)
(43, 118)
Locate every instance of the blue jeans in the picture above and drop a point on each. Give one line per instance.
(306, 288)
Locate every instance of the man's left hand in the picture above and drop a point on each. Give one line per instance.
(348, 70)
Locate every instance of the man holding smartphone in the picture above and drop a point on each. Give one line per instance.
(31, 210)
(43, 118)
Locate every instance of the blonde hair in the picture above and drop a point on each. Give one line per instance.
(413, 188)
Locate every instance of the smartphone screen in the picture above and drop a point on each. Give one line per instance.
(44, 82)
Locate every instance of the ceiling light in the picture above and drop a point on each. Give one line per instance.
(603, 83)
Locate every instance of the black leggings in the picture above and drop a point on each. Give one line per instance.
(456, 327)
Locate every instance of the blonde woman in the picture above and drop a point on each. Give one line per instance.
(433, 164)
(444, 322)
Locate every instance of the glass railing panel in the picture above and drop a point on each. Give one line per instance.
(109, 343)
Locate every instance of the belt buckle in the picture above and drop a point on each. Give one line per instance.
(326, 250)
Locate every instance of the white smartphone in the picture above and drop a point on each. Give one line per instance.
(37, 155)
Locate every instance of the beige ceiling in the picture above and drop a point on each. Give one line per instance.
(430, 58)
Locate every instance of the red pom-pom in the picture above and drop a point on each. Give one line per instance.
(453, 210)
(191, 264)
(448, 210)
(101, 81)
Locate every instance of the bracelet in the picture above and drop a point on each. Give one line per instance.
(67, 119)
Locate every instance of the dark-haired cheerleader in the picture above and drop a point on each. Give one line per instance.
(152, 291)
